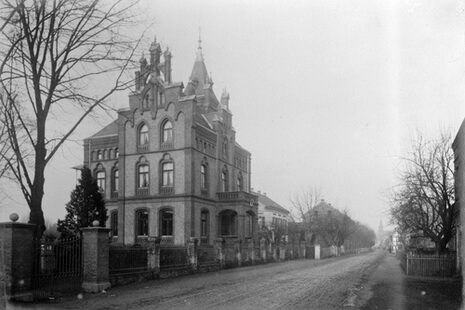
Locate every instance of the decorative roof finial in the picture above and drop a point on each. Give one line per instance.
(142, 58)
(199, 49)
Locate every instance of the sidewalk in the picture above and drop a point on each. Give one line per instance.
(391, 289)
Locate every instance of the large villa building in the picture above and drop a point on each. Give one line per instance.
(169, 165)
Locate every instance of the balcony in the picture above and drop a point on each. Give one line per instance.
(166, 190)
(166, 145)
(142, 191)
(237, 196)
(141, 148)
(166, 240)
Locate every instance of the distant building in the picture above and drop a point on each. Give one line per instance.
(459, 177)
(319, 219)
(170, 165)
(272, 216)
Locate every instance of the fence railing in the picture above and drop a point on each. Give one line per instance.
(173, 257)
(127, 260)
(428, 265)
(57, 266)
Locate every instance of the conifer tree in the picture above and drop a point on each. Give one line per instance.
(85, 206)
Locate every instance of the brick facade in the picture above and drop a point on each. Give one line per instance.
(187, 128)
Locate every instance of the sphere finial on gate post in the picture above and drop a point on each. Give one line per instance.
(14, 217)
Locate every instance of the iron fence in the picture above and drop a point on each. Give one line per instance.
(206, 254)
(3, 277)
(173, 257)
(57, 267)
(127, 260)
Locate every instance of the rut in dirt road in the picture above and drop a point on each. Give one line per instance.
(301, 284)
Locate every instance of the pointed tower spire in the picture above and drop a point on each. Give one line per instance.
(199, 48)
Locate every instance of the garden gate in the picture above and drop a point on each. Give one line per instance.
(57, 267)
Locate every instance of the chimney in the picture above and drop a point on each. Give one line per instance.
(167, 64)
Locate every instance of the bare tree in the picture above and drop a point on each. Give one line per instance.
(424, 199)
(53, 52)
(304, 201)
(333, 227)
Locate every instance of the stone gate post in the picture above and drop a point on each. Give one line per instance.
(95, 257)
(237, 247)
(17, 258)
(303, 250)
(274, 251)
(282, 251)
(192, 247)
(317, 251)
(251, 250)
(219, 251)
(153, 255)
(263, 249)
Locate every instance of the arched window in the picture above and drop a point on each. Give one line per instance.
(167, 169)
(99, 155)
(203, 176)
(225, 148)
(204, 226)
(239, 184)
(228, 223)
(116, 153)
(224, 180)
(143, 176)
(115, 181)
(142, 222)
(114, 223)
(167, 132)
(249, 224)
(145, 103)
(143, 135)
(105, 154)
(101, 180)
(166, 222)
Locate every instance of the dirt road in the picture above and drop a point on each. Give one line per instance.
(302, 284)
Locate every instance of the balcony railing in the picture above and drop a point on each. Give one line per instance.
(166, 190)
(143, 191)
(237, 196)
(114, 195)
(166, 145)
(142, 148)
(166, 240)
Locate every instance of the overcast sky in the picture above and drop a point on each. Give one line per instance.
(324, 94)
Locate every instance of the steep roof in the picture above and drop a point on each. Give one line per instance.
(199, 74)
(268, 202)
(109, 130)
